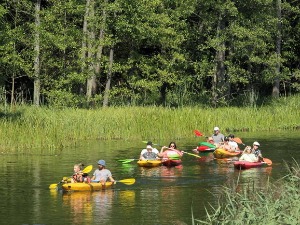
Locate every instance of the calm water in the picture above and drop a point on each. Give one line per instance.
(160, 195)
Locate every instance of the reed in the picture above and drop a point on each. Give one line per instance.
(45, 130)
(278, 203)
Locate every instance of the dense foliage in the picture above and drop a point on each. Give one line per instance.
(97, 52)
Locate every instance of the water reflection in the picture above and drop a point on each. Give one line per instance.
(86, 207)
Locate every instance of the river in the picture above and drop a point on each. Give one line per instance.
(160, 195)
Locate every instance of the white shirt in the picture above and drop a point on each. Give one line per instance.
(248, 157)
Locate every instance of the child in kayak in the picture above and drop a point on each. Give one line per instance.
(78, 176)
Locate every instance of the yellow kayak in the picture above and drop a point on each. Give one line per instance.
(85, 186)
(149, 163)
(222, 153)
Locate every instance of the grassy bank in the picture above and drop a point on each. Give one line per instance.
(30, 129)
(278, 203)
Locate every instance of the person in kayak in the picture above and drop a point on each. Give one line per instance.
(200, 145)
(248, 155)
(233, 144)
(225, 145)
(149, 152)
(170, 152)
(78, 176)
(217, 136)
(256, 151)
(102, 174)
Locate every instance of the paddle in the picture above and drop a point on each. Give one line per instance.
(85, 170)
(266, 160)
(198, 133)
(191, 154)
(128, 181)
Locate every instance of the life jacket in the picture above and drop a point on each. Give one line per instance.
(81, 177)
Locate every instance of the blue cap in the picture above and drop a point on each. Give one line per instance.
(101, 162)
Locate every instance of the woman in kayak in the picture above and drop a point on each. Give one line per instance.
(248, 155)
(170, 152)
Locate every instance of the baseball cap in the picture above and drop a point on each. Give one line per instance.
(216, 128)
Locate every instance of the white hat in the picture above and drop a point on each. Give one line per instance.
(216, 128)
(256, 143)
(149, 147)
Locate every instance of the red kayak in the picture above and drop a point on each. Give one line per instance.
(172, 162)
(242, 165)
(204, 148)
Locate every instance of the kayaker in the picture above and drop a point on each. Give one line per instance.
(217, 136)
(149, 152)
(170, 152)
(248, 155)
(233, 144)
(209, 140)
(225, 145)
(256, 151)
(78, 176)
(102, 174)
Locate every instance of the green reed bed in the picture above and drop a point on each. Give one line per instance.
(278, 203)
(26, 129)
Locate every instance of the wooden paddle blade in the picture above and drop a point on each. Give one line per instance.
(238, 140)
(198, 133)
(268, 161)
(87, 169)
(128, 181)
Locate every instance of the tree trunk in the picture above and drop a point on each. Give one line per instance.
(37, 82)
(84, 44)
(219, 76)
(91, 81)
(109, 75)
(275, 91)
(100, 46)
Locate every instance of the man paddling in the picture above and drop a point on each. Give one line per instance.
(217, 136)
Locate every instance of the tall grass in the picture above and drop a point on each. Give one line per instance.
(49, 130)
(279, 203)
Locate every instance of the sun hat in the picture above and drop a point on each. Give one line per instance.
(149, 147)
(216, 128)
(101, 162)
(256, 143)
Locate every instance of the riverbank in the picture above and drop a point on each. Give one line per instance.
(277, 203)
(28, 129)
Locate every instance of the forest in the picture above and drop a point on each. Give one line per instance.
(173, 53)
